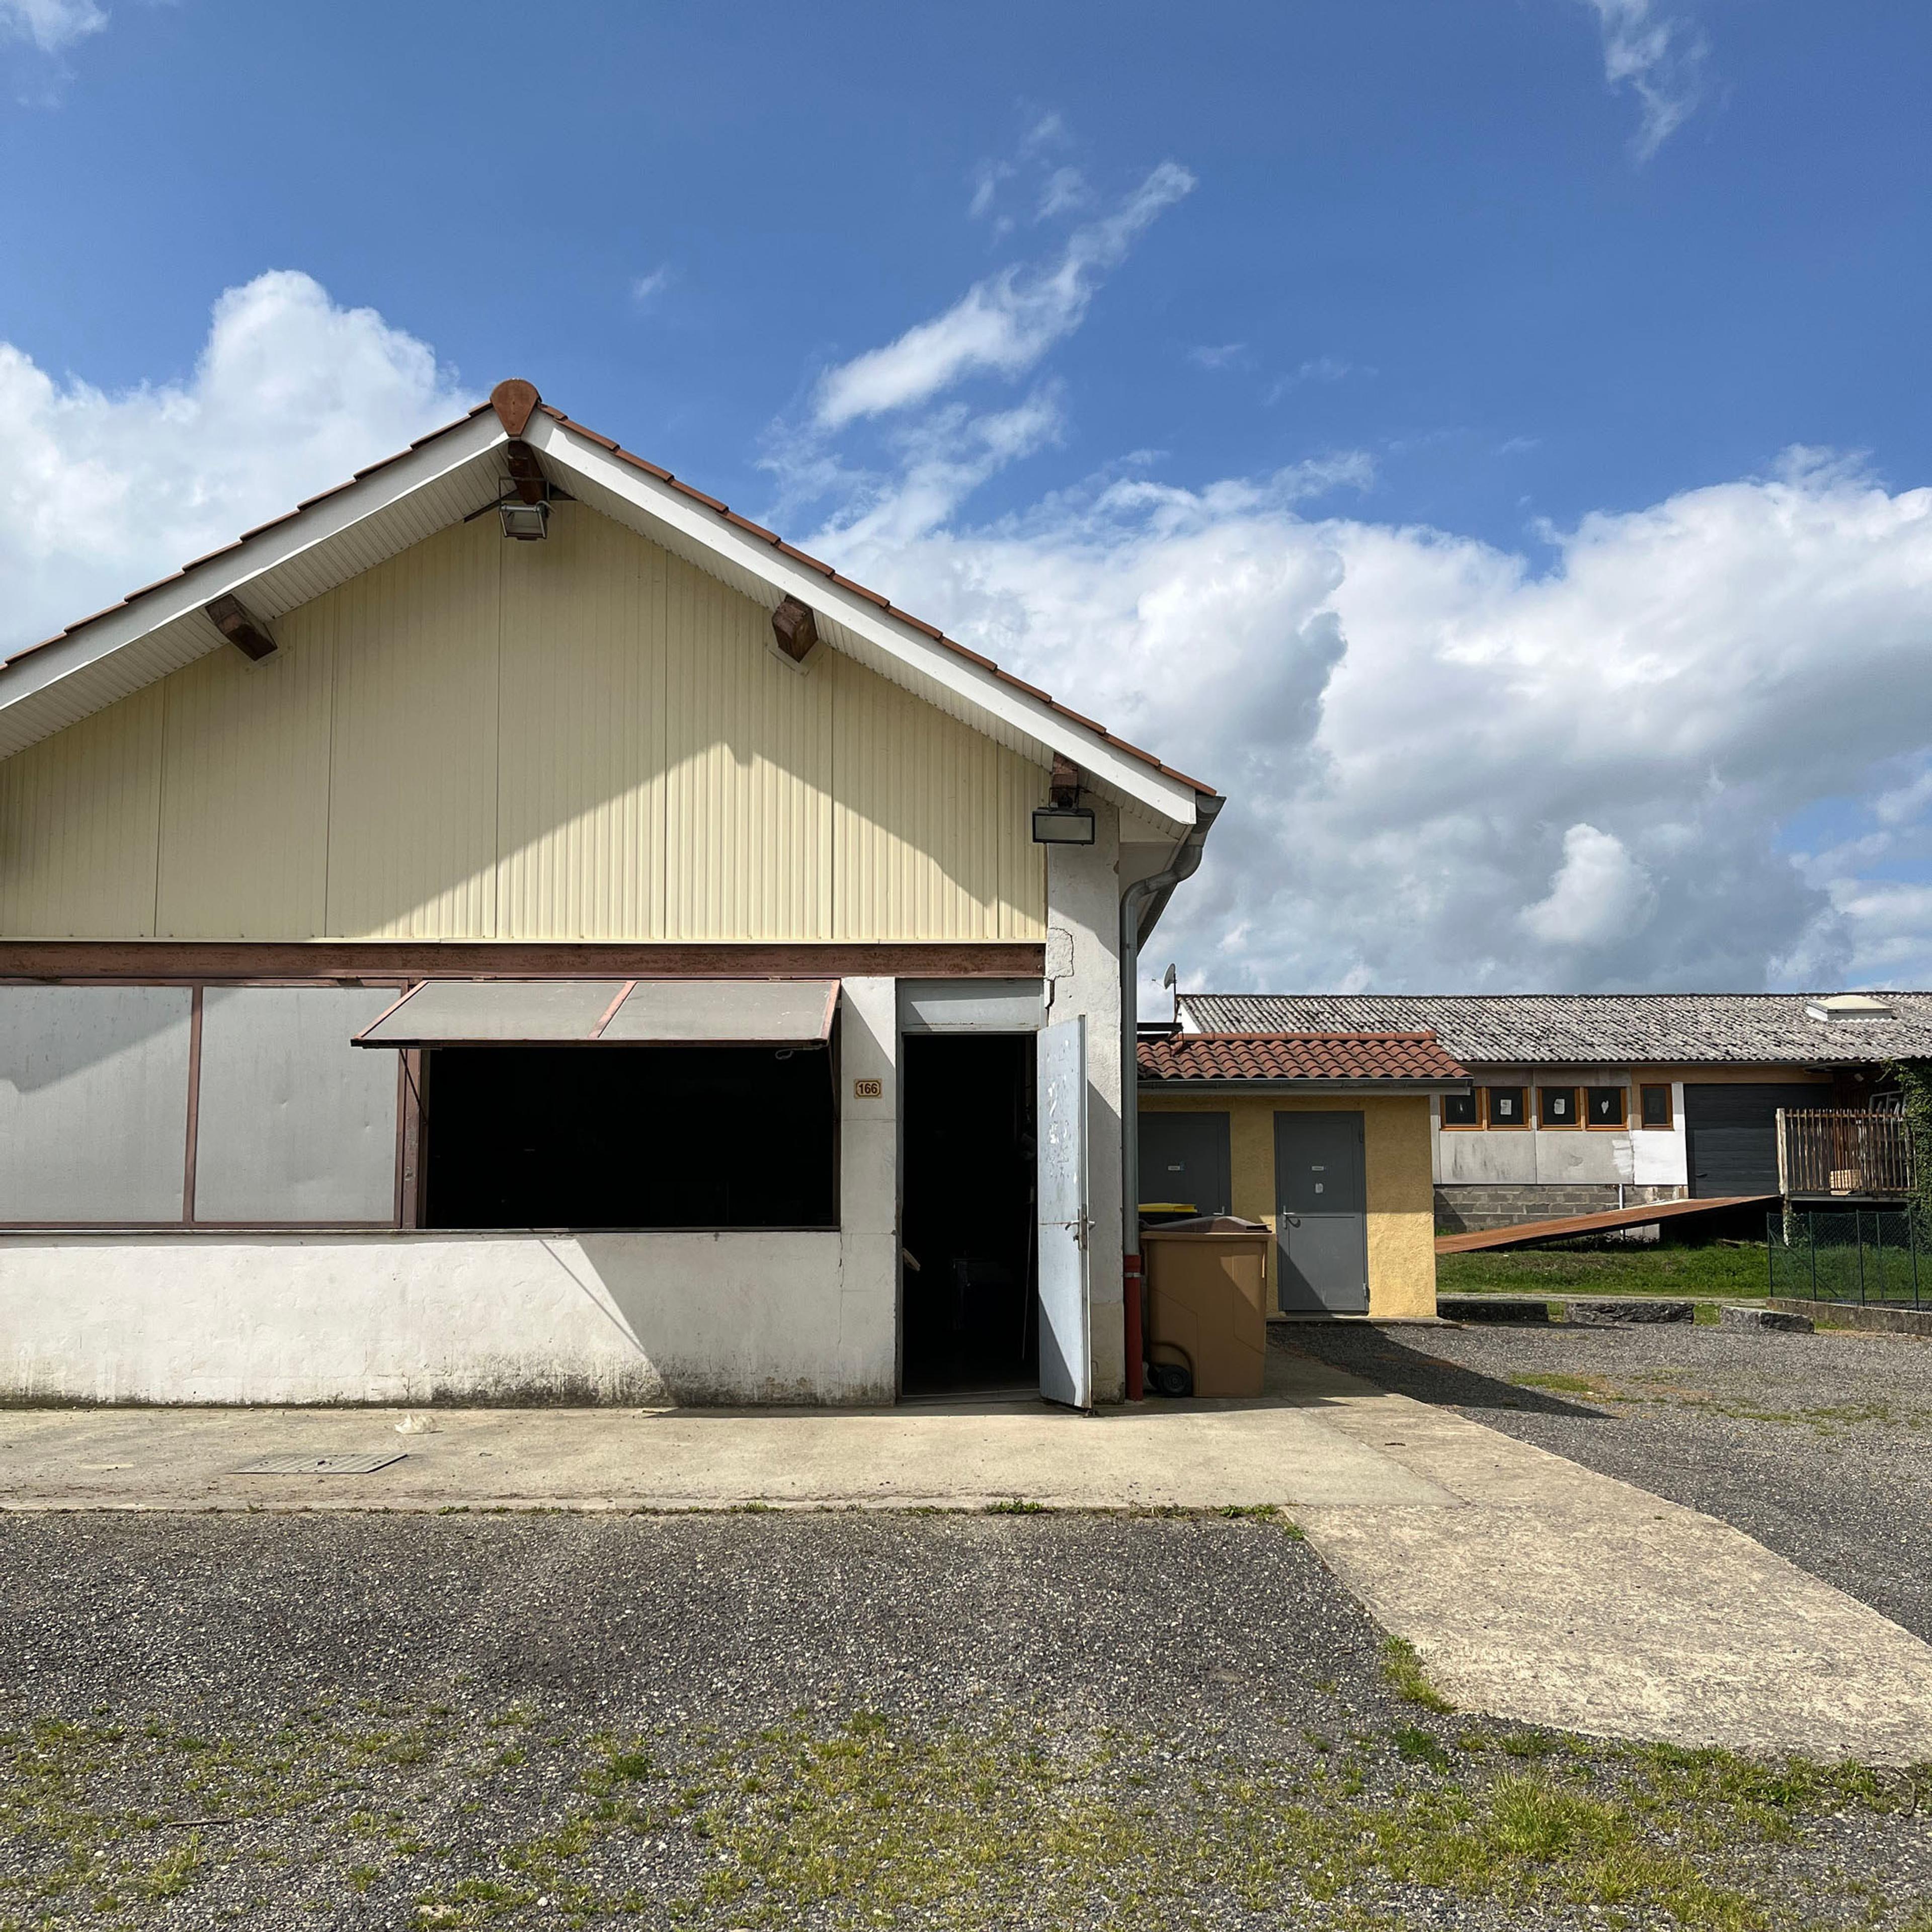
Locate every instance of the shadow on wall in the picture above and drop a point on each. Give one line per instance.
(1402, 1369)
(48, 1034)
(736, 1318)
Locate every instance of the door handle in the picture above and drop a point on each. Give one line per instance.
(1293, 1220)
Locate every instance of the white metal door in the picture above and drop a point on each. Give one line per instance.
(1065, 1336)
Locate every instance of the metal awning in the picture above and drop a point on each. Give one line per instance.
(609, 1013)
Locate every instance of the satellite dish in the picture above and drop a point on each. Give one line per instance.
(1167, 978)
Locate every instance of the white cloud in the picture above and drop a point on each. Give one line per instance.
(1065, 191)
(1317, 369)
(1659, 60)
(645, 290)
(100, 493)
(1002, 325)
(1220, 356)
(52, 25)
(1447, 769)
(1600, 893)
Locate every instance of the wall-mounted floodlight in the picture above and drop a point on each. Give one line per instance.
(526, 523)
(1062, 825)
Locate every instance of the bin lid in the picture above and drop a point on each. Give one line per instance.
(1209, 1224)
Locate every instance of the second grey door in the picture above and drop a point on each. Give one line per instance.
(1322, 1210)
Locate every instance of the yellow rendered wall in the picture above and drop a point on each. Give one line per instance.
(1395, 1155)
(583, 738)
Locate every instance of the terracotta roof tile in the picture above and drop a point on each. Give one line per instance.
(1182, 1056)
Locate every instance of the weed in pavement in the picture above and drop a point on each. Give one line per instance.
(870, 1820)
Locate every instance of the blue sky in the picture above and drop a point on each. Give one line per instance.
(1388, 409)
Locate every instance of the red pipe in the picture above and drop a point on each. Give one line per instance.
(1130, 1295)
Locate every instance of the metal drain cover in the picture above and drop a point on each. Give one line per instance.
(322, 1465)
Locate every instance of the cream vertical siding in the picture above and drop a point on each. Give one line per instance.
(244, 801)
(581, 786)
(413, 783)
(80, 814)
(583, 739)
(933, 827)
(748, 803)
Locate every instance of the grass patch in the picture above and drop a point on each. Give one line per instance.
(1402, 1672)
(1558, 1384)
(868, 1821)
(1723, 1269)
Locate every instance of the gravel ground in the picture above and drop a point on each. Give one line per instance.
(1820, 1446)
(759, 1718)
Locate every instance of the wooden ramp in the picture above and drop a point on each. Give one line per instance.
(1528, 1233)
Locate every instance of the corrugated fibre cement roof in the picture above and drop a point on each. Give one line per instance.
(1593, 1029)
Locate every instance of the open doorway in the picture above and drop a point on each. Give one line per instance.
(970, 1321)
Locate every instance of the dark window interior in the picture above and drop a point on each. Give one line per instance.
(1559, 1106)
(971, 1317)
(1606, 1106)
(630, 1137)
(1506, 1108)
(1657, 1107)
(1459, 1110)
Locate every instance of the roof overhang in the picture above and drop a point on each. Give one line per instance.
(1225, 1088)
(324, 543)
(458, 471)
(777, 1013)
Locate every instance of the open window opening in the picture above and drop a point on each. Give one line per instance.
(605, 1137)
(971, 1322)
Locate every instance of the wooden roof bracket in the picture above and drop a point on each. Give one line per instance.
(515, 402)
(795, 634)
(526, 472)
(1063, 787)
(247, 634)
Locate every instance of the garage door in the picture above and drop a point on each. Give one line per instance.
(1733, 1133)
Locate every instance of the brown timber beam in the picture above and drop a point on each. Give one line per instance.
(230, 617)
(525, 471)
(145, 960)
(795, 629)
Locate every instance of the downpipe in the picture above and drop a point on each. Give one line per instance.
(1184, 864)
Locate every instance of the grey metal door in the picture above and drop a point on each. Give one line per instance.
(1731, 1132)
(1184, 1159)
(1321, 1209)
(1066, 1340)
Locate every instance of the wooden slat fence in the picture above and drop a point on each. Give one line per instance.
(1836, 1150)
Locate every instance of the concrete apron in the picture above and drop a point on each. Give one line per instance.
(1532, 1588)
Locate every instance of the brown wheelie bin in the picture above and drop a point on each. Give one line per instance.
(1207, 1301)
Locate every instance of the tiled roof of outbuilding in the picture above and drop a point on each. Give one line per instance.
(1597, 1029)
(1297, 1056)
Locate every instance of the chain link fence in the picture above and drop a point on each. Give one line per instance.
(1865, 1256)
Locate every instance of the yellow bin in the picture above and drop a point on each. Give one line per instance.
(1207, 1301)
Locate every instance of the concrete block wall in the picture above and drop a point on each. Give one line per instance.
(1466, 1210)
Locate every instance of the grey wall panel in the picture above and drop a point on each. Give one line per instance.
(296, 1124)
(971, 1005)
(93, 1103)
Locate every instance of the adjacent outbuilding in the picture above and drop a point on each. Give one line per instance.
(1585, 1103)
(1323, 1137)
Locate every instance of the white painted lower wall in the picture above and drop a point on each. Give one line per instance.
(406, 1318)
